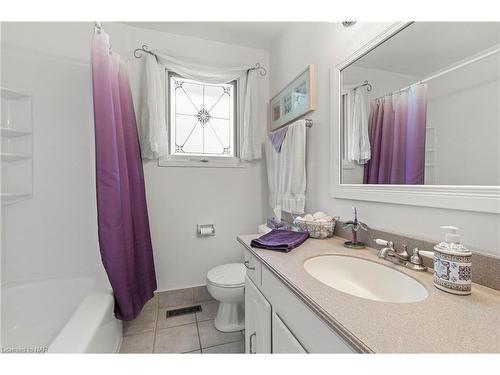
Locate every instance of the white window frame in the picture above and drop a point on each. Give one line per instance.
(199, 160)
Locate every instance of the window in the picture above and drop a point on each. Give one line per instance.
(202, 120)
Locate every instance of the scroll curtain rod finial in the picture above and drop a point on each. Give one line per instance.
(260, 68)
(364, 83)
(138, 52)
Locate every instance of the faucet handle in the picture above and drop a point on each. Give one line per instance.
(405, 249)
(382, 242)
(416, 263)
(415, 257)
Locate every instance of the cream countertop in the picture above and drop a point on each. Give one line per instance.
(442, 323)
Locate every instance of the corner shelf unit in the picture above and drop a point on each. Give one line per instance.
(12, 133)
(10, 198)
(9, 156)
(16, 135)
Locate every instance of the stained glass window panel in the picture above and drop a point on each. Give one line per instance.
(202, 118)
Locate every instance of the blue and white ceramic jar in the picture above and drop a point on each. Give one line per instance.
(452, 264)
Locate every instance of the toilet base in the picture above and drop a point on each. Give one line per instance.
(230, 317)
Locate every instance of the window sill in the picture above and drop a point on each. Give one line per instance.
(198, 163)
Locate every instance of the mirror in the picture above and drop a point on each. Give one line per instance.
(423, 108)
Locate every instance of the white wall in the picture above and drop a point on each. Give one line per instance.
(327, 45)
(55, 233)
(463, 108)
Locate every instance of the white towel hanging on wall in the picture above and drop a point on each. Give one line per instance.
(286, 171)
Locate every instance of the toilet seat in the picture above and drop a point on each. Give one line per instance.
(227, 275)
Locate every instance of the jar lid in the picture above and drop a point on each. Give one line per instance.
(451, 247)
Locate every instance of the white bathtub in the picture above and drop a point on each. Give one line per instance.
(65, 315)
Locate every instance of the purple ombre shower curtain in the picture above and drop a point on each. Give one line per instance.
(123, 225)
(396, 130)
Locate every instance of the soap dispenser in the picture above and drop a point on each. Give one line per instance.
(452, 263)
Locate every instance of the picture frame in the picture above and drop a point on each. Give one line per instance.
(295, 100)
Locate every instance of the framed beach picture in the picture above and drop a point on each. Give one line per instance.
(295, 100)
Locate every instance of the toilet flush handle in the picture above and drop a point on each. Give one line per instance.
(246, 263)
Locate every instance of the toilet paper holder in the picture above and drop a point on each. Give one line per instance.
(204, 230)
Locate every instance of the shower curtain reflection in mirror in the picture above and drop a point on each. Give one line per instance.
(396, 129)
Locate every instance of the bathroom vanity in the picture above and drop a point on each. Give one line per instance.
(290, 311)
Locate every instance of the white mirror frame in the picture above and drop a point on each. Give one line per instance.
(469, 198)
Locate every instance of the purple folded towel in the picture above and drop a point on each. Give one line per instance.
(281, 240)
(277, 137)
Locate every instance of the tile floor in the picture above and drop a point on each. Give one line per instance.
(153, 332)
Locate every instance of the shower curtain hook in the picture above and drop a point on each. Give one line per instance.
(98, 27)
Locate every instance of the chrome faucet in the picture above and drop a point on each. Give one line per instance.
(402, 258)
(390, 253)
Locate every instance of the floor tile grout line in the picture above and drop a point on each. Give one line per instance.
(184, 325)
(211, 346)
(197, 327)
(206, 320)
(139, 333)
(230, 342)
(180, 325)
(198, 330)
(155, 328)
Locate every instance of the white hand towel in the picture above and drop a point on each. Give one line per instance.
(358, 143)
(286, 171)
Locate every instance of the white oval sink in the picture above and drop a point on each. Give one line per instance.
(365, 279)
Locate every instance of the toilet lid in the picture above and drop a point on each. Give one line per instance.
(227, 275)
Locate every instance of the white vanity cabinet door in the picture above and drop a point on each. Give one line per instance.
(312, 333)
(283, 339)
(257, 320)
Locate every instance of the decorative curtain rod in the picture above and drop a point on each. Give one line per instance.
(365, 83)
(138, 53)
(483, 55)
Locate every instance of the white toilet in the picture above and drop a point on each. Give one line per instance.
(226, 284)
